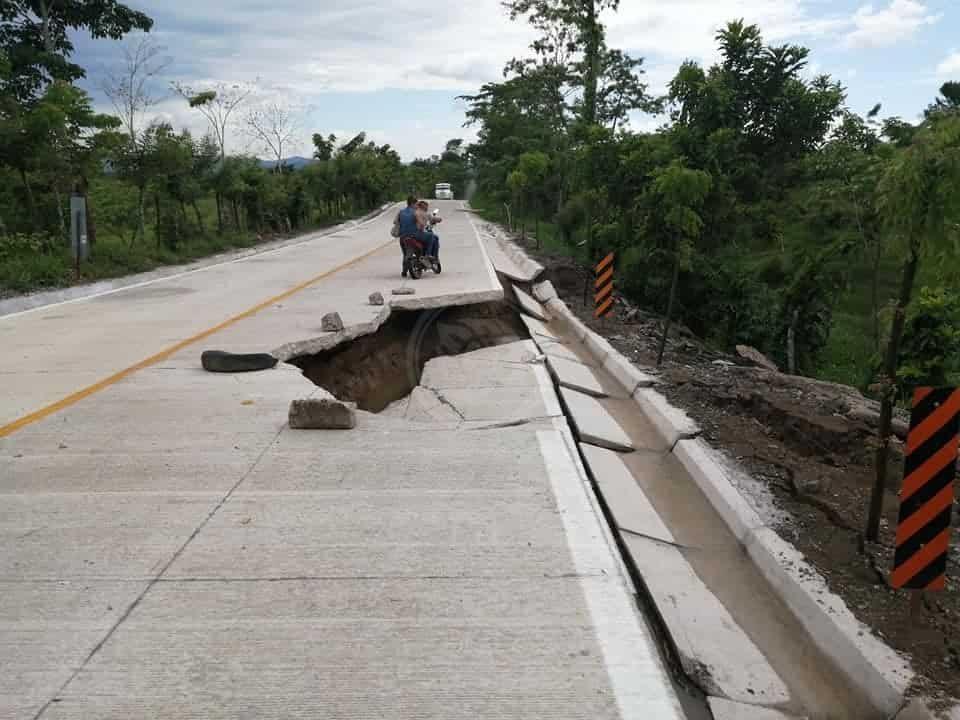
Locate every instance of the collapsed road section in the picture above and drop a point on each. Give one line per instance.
(172, 548)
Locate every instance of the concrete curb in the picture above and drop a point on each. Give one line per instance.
(875, 669)
(531, 269)
(45, 298)
(878, 672)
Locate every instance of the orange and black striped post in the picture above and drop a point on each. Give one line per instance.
(603, 287)
(926, 499)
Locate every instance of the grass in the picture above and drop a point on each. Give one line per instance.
(113, 257)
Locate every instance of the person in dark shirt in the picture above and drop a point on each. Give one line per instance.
(409, 226)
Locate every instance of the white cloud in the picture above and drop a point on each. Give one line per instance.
(306, 50)
(875, 28)
(950, 66)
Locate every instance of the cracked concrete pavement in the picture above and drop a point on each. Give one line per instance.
(173, 549)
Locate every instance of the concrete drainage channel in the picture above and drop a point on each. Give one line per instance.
(746, 645)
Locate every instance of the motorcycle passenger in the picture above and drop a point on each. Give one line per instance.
(426, 223)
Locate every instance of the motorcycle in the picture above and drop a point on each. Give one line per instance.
(415, 261)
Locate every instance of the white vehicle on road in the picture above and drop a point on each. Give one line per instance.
(443, 191)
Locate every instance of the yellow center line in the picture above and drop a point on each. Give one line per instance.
(76, 397)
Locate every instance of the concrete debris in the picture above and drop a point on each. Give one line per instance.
(331, 322)
(321, 414)
(403, 291)
(376, 298)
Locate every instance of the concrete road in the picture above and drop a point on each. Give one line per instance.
(171, 549)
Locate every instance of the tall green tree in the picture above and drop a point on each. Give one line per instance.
(920, 204)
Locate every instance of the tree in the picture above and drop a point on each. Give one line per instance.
(131, 91)
(130, 87)
(35, 37)
(217, 103)
(920, 203)
(678, 194)
(948, 102)
(274, 124)
(324, 146)
(581, 18)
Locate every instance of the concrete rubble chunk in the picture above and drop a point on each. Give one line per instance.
(321, 414)
(529, 305)
(727, 710)
(574, 375)
(376, 298)
(331, 322)
(403, 291)
(593, 423)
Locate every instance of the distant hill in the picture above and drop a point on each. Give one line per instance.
(295, 162)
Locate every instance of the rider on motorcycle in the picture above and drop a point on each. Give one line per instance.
(409, 224)
(427, 222)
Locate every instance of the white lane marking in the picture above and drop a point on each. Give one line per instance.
(483, 247)
(310, 238)
(550, 400)
(637, 677)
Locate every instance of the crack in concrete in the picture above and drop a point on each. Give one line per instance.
(155, 579)
(443, 400)
(512, 423)
(655, 538)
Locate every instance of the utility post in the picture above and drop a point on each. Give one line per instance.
(78, 230)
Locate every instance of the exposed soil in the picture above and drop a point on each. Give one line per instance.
(379, 369)
(812, 445)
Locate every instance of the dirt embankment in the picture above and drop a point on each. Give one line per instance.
(812, 445)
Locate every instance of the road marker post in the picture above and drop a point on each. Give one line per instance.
(603, 287)
(926, 498)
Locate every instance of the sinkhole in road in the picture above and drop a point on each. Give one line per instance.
(378, 369)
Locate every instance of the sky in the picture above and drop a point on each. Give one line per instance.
(352, 65)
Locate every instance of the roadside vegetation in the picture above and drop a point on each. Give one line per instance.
(155, 194)
(794, 220)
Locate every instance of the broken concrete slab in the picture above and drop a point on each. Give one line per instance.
(672, 423)
(593, 423)
(376, 298)
(538, 328)
(529, 305)
(227, 362)
(598, 347)
(727, 710)
(331, 322)
(631, 509)
(544, 291)
(626, 373)
(575, 375)
(321, 414)
(427, 405)
(558, 349)
(714, 650)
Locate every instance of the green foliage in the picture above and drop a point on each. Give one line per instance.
(930, 350)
